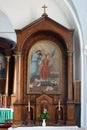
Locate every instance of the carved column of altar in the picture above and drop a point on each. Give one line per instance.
(70, 102)
(14, 94)
(18, 105)
(5, 96)
(70, 75)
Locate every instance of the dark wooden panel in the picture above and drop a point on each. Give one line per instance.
(2, 85)
(77, 91)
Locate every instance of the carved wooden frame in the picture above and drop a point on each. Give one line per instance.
(35, 83)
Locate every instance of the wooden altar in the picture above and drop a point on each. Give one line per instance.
(57, 92)
(45, 29)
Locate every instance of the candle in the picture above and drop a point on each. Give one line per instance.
(59, 105)
(29, 105)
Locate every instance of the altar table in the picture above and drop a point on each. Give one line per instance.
(45, 128)
(6, 114)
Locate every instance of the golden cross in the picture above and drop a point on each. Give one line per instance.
(44, 7)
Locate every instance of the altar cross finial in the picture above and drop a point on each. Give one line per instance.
(44, 7)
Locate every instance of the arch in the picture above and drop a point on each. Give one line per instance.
(71, 7)
(44, 35)
(47, 33)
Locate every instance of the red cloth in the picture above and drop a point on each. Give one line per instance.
(45, 69)
(5, 125)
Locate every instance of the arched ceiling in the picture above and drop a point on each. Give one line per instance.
(7, 33)
(22, 13)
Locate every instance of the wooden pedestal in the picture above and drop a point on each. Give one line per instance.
(70, 113)
(19, 113)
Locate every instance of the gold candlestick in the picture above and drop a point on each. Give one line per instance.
(29, 105)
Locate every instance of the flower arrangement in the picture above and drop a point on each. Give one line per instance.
(44, 115)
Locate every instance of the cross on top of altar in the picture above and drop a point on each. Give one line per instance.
(44, 7)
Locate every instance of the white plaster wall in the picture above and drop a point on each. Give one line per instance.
(84, 110)
(23, 12)
(81, 9)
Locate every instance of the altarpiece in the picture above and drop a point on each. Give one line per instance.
(44, 68)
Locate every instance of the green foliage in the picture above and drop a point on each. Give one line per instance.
(44, 115)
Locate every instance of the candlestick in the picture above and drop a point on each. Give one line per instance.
(29, 105)
(59, 105)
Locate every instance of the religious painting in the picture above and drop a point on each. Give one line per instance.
(44, 68)
(2, 66)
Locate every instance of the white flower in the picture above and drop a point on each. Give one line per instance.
(45, 110)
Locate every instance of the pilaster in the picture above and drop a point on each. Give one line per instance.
(6, 98)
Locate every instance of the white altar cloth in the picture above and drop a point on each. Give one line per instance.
(45, 128)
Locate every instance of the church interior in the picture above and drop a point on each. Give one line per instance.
(41, 65)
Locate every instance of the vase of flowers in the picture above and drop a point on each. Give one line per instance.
(44, 116)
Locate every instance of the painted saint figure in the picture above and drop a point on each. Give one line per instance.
(35, 61)
(45, 68)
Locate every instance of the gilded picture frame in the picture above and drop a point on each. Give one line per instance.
(44, 68)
